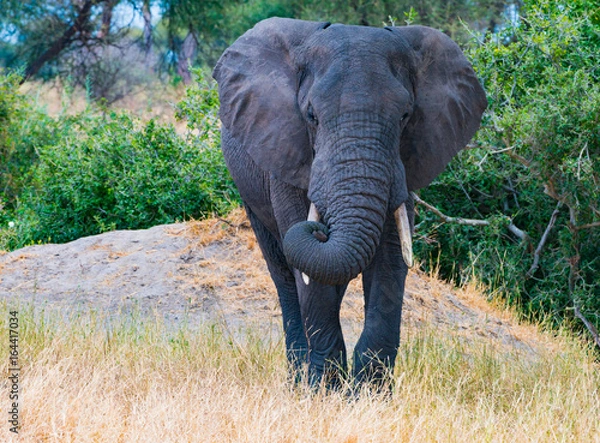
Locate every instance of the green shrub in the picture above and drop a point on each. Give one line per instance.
(537, 152)
(111, 172)
(10, 104)
(22, 129)
(108, 170)
(200, 109)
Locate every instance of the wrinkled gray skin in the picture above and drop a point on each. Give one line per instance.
(351, 119)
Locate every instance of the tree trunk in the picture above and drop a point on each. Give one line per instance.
(147, 45)
(188, 49)
(107, 14)
(56, 48)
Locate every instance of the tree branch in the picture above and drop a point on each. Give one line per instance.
(590, 327)
(448, 219)
(574, 259)
(107, 17)
(588, 226)
(538, 250)
(511, 153)
(64, 40)
(147, 16)
(518, 232)
(467, 221)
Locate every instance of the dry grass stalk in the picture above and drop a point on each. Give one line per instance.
(94, 379)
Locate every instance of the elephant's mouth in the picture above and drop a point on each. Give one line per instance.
(402, 223)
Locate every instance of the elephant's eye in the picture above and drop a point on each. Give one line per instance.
(310, 114)
(404, 117)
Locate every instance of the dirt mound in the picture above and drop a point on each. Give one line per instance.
(213, 271)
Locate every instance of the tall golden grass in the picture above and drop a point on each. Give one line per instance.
(125, 378)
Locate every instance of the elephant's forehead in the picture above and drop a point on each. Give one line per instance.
(352, 32)
(354, 42)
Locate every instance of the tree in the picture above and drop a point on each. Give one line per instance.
(447, 15)
(82, 41)
(191, 26)
(45, 29)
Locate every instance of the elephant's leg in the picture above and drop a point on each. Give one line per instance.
(383, 282)
(320, 306)
(295, 338)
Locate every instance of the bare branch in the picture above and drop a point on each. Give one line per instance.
(52, 52)
(518, 232)
(520, 159)
(574, 259)
(448, 219)
(147, 15)
(590, 327)
(588, 226)
(498, 151)
(107, 18)
(573, 218)
(550, 190)
(511, 153)
(188, 50)
(514, 192)
(538, 250)
(467, 221)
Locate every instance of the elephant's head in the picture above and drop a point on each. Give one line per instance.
(357, 116)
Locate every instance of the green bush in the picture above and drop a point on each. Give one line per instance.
(108, 170)
(10, 104)
(23, 128)
(536, 163)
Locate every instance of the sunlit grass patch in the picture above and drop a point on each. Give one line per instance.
(101, 377)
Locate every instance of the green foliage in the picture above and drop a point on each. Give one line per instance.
(200, 107)
(538, 152)
(13, 162)
(23, 128)
(108, 171)
(245, 14)
(440, 14)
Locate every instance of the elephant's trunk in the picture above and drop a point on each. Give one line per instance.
(357, 188)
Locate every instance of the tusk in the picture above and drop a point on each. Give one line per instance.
(405, 234)
(306, 279)
(313, 215)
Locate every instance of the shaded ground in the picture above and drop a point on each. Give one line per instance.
(213, 270)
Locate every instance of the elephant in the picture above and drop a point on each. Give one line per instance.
(326, 130)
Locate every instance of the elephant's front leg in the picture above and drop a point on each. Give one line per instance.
(383, 282)
(320, 308)
(283, 277)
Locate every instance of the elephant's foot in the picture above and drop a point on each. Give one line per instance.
(328, 370)
(297, 363)
(375, 370)
(331, 378)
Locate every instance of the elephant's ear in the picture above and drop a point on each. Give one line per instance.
(258, 83)
(449, 102)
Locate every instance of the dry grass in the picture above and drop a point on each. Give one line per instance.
(95, 379)
(231, 267)
(154, 101)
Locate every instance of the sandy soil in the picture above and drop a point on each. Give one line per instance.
(213, 271)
